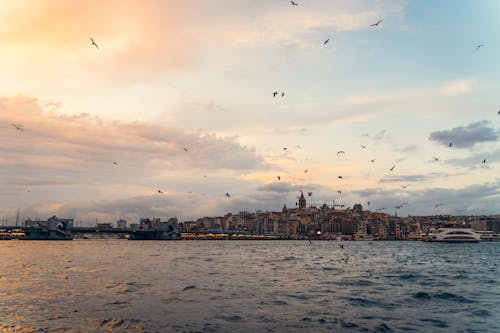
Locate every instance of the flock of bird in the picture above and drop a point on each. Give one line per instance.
(20, 127)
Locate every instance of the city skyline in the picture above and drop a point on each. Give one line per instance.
(127, 110)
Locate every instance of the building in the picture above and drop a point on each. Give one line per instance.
(121, 224)
(302, 201)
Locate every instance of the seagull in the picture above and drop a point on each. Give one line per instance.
(392, 167)
(299, 147)
(93, 43)
(159, 191)
(484, 161)
(439, 204)
(279, 178)
(450, 144)
(435, 158)
(340, 177)
(18, 126)
(405, 186)
(373, 161)
(326, 41)
(305, 171)
(376, 24)
(340, 152)
(275, 93)
(285, 148)
(479, 46)
(293, 3)
(398, 207)
(339, 192)
(115, 163)
(227, 195)
(283, 94)
(309, 193)
(185, 149)
(363, 146)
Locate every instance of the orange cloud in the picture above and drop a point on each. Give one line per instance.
(136, 39)
(80, 141)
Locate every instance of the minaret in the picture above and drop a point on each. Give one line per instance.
(284, 208)
(302, 201)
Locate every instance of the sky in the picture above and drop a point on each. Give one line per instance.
(174, 108)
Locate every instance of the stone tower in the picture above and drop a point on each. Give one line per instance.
(302, 201)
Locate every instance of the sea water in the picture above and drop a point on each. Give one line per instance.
(248, 286)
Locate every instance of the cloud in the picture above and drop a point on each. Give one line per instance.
(279, 187)
(468, 136)
(457, 87)
(79, 141)
(412, 178)
(147, 39)
(471, 200)
(475, 160)
(411, 148)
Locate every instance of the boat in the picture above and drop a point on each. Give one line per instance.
(4, 235)
(52, 229)
(453, 235)
(152, 235)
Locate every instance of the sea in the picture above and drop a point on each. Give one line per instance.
(248, 286)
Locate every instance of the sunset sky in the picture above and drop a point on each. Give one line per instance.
(200, 75)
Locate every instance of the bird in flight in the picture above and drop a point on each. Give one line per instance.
(498, 113)
(373, 161)
(439, 204)
(392, 169)
(479, 46)
(185, 149)
(227, 195)
(299, 147)
(285, 148)
(18, 127)
(275, 93)
(279, 178)
(309, 193)
(283, 94)
(339, 192)
(340, 177)
(93, 43)
(305, 171)
(484, 161)
(293, 3)
(159, 191)
(405, 186)
(450, 144)
(376, 24)
(363, 146)
(435, 158)
(340, 152)
(368, 203)
(115, 162)
(326, 41)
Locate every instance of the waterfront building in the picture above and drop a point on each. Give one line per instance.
(121, 224)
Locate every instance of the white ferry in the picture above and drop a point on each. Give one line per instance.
(453, 235)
